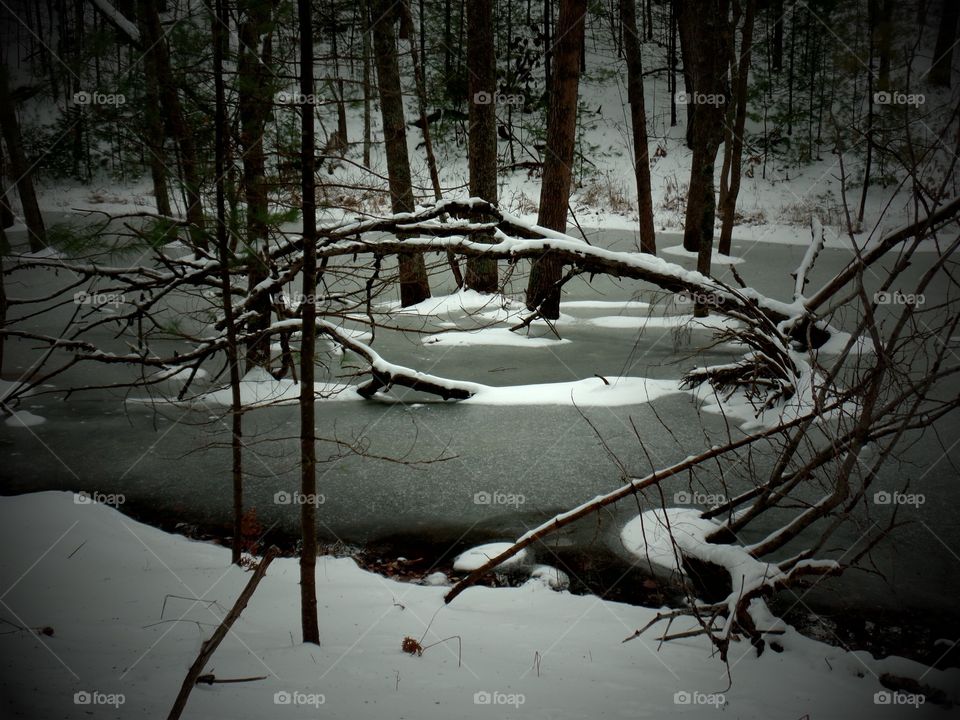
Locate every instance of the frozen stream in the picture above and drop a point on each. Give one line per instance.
(175, 462)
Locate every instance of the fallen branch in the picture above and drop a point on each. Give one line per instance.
(210, 646)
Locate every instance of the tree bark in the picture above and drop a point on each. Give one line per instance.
(414, 286)
(308, 450)
(638, 120)
(542, 292)
(154, 39)
(154, 132)
(19, 166)
(255, 101)
(705, 35)
(942, 67)
(482, 89)
(222, 133)
(728, 207)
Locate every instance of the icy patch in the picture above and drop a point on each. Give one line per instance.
(589, 392)
(477, 557)
(612, 305)
(501, 337)
(715, 258)
(458, 305)
(24, 418)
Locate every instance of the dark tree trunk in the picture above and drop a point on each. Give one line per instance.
(638, 120)
(542, 290)
(155, 134)
(777, 50)
(414, 286)
(254, 100)
(482, 89)
(20, 168)
(308, 449)
(367, 85)
(221, 134)
(705, 35)
(728, 207)
(155, 41)
(942, 66)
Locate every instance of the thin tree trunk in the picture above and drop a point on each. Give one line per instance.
(154, 129)
(942, 67)
(482, 90)
(728, 207)
(308, 450)
(638, 120)
(254, 102)
(182, 134)
(414, 286)
(543, 294)
(19, 166)
(221, 133)
(367, 84)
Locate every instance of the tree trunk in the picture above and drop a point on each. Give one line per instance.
(482, 90)
(156, 43)
(542, 290)
(414, 286)
(20, 168)
(154, 131)
(942, 66)
(367, 85)
(638, 119)
(705, 35)
(308, 449)
(728, 207)
(255, 101)
(221, 135)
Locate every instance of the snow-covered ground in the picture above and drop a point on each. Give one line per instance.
(128, 606)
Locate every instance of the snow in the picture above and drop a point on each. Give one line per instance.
(456, 305)
(716, 258)
(476, 557)
(107, 586)
(648, 536)
(491, 336)
(258, 388)
(24, 419)
(589, 392)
